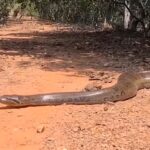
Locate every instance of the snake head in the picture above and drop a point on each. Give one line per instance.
(11, 100)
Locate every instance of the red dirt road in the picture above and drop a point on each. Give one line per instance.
(37, 57)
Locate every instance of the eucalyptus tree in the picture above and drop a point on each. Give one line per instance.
(138, 14)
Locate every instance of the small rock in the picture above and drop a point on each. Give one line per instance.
(101, 73)
(98, 86)
(147, 60)
(72, 66)
(94, 86)
(76, 129)
(78, 46)
(40, 129)
(131, 55)
(106, 65)
(87, 43)
(106, 108)
(9, 111)
(146, 45)
(148, 125)
(1, 70)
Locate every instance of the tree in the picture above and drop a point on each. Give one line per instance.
(4, 11)
(139, 14)
(127, 15)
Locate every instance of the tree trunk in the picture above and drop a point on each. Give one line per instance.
(133, 24)
(126, 15)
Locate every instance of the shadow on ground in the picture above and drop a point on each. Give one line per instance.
(80, 50)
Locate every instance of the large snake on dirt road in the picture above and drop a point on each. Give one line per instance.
(126, 87)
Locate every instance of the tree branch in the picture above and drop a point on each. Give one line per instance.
(131, 13)
(146, 2)
(125, 5)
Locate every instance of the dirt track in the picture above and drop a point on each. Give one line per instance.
(39, 57)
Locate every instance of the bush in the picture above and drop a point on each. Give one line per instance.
(4, 11)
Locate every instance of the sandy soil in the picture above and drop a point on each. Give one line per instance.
(42, 57)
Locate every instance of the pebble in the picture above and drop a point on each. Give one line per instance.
(147, 60)
(94, 86)
(76, 128)
(105, 108)
(9, 111)
(148, 125)
(106, 65)
(40, 129)
(101, 73)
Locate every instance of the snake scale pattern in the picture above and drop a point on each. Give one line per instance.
(126, 87)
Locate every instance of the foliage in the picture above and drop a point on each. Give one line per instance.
(140, 13)
(4, 11)
(74, 11)
(92, 12)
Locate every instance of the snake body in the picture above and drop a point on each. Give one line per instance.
(126, 87)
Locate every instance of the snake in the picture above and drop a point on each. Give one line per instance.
(126, 87)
